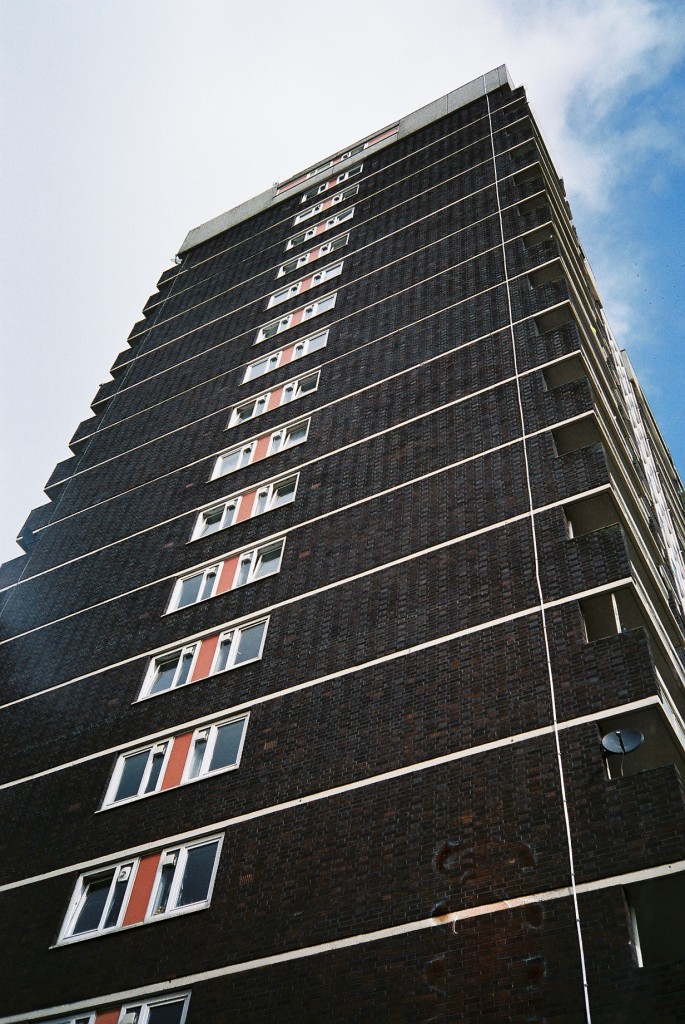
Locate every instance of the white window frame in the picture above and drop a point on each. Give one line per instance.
(318, 229)
(284, 294)
(149, 1004)
(211, 731)
(276, 435)
(110, 796)
(230, 509)
(248, 448)
(152, 669)
(267, 491)
(78, 898)
(259, 404)
(178, 586)
(236, 633)
(327, 273)
(273, 359)
(292, 389)
(297, 262)
(253, 558)
(281, 325)
(181, 852)
(306, 214)
(319, 306)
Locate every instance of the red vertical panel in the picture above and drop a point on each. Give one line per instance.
(327, 203)
(227, 575)
(297, 317)
(306, 284)
(275, 399)
(203, 662)
(261, 448)
(320, 228)
(108, 1017)
(246, 504)
(287, 354)
(142, 890)
(177, 761)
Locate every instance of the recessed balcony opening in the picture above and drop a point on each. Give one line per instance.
(610, 613)
(659, 747)
(554, 318)
(529, 206)
(657, 912)
(573, 436)
(532, 173)
(545, 275)
(564, 372)
(591, 514)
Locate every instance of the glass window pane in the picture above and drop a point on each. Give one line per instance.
(155, 769)
(223, 653)
(296, 434)
(197, 875)
(226, 747)
(208, 584)
(165, 670)
(132, 775)
(243, 571)
(92, 904)
(184, 668)
(189, 590)
(249, 643)
(268, 562)
(283, 493)
(199, 748)
(211, 520)
(166, 1013)
(117, 902)
(163, 888)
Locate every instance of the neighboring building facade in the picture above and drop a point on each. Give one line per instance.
(370, 542)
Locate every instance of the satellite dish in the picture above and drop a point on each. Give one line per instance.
(622, 741)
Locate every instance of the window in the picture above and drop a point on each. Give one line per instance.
(326, 274)
(215, 748)
(160, 1011)
(284, 295)
(299, 388)
(229, 462)
(274, 495)
(184, 878)
(87, 1018)
(191, 589)
(318, 229)
(320, 306)
(138, 773)
(273, 361)
(255, 565)
(98, 902)
(313, 254)
(238, 646)
(288, 437)
(219, 517)
(272, 329)
(169, 671)
(248, 410)
(306, 214)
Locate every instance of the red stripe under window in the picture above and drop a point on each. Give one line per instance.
(246, 504)
(275, 399)
(262, 448)
(227, 575)
(142, 890)
(177, 761)
(203, 664)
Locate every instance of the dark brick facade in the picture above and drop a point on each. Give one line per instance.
(426, 669)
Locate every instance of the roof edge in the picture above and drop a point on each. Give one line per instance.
(473, 90)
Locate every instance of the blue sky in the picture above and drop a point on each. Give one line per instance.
(127, 122)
